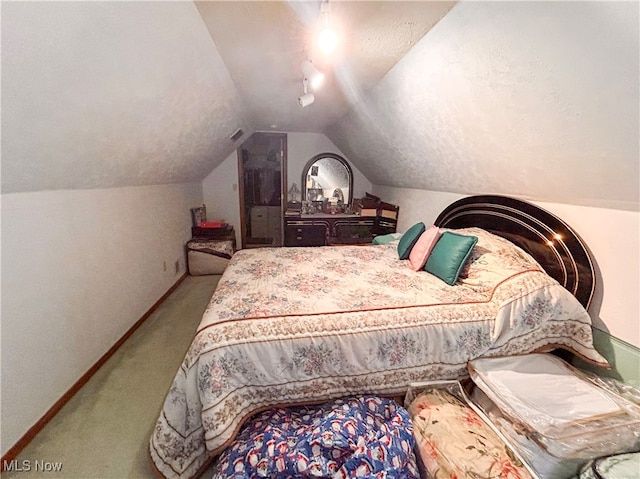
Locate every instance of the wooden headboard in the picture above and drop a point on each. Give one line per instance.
(553, 244)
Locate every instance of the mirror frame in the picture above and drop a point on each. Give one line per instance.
(336, 157)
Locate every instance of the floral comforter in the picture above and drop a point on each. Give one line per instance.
(304, 325)
(453, 441)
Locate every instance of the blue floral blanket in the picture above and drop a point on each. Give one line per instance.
(364, 437)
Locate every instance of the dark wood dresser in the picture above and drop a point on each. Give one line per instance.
(322, 229)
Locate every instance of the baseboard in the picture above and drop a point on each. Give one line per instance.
(623, 357)
(13, 452)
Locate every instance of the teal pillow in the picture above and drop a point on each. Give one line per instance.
(409, 239)
(384, 239)
(449, 256)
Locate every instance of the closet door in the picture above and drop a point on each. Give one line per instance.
(262, 178)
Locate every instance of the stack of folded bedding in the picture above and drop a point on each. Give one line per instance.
(556, 418)
(364, 436)
(453, 441)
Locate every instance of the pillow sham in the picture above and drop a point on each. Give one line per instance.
(449, 256)
(423, 247)
(384, 239)
(409, 239)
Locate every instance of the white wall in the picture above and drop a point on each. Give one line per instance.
(220, 194)
(304, 146)
(220, 187)
(79, 268)
(613, 236)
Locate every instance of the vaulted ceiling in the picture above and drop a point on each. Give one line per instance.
(263, 45)
(534, 99)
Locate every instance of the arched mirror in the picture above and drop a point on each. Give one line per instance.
(326, 176)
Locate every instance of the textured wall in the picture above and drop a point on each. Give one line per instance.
(535, 99)
(103, 94)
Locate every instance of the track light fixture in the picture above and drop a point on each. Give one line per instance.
(327, 38)
(307, 98)
(312, 74)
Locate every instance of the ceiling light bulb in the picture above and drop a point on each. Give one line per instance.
(312, 74)
(327, 40)
(316, 81)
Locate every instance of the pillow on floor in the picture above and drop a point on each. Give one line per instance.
(449, 256)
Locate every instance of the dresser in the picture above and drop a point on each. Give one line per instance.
(325, 229)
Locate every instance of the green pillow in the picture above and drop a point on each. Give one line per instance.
(409, 239)
(449, 256)
(384, 239)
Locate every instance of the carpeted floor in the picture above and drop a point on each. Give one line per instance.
(103, 431)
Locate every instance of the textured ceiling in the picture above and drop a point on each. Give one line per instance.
(105, 94)
(263, 45)
(534, 99)
(108, 94)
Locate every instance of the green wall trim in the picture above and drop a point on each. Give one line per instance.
(623, 357)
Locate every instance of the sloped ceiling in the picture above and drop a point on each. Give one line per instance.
(105, 94)
(535, 99)
(264, 43)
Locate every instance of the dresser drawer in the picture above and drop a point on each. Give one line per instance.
(305, 235)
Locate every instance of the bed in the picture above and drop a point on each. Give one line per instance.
(294, 326)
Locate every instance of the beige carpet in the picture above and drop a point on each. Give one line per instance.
(104, 430)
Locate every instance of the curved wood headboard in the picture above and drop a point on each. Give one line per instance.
(553, 244)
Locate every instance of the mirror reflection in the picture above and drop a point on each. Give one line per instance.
(327, 182)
